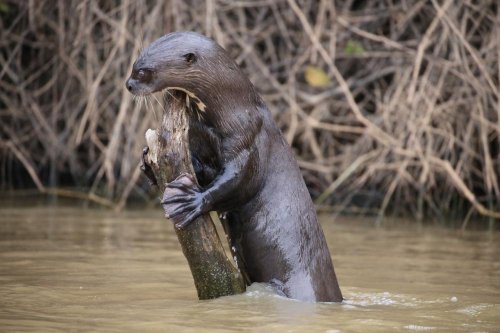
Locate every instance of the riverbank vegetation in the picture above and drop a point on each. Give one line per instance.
(391, 106)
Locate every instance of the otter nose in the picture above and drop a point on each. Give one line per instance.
(128, 85)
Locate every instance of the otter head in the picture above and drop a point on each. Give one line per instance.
(184, 61)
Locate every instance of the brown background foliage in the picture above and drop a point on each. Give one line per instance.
(407, 119)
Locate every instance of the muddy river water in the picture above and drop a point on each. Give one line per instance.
(71, 269)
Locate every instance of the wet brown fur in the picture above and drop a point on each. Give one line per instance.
(247, 171)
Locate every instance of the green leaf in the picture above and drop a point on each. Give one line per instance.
(4, 7)
(353, 48)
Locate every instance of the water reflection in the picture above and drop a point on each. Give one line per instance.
(67, 268)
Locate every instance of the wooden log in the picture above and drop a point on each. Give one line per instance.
(169, 156)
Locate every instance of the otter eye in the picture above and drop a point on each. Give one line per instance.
(142, 75)
(190, 58)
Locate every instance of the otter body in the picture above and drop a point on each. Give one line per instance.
(246, 170)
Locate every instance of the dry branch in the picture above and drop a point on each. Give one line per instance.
(409, 125)
(214, 275)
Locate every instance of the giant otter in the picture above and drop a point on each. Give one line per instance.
(246, 170)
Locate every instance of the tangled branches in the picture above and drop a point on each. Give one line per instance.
(408, 123)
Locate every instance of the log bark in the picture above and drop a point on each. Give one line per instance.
(169, 156)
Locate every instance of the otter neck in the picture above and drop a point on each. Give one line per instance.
(220, 103)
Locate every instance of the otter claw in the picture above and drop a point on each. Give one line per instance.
(183, 224)
(182, 215)
(183, 201)
(177, 199)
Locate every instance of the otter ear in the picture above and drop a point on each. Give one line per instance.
(190, 58)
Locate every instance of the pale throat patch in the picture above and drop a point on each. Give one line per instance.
(201, 106)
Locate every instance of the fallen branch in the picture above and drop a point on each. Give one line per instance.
(214, 275)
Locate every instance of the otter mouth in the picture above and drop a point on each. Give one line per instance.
(142, 90)
(189, 95)
(177, 92)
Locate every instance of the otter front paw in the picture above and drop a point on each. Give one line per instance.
(146, 168)
(183, 201)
